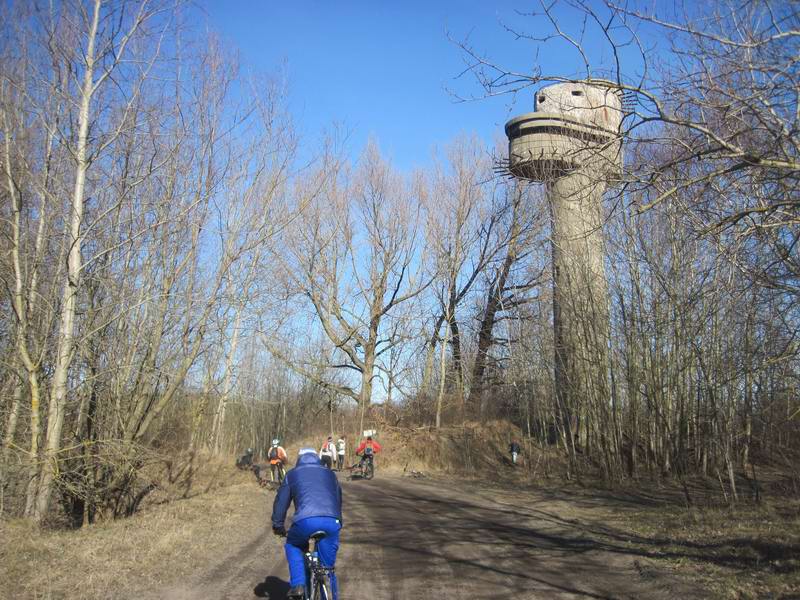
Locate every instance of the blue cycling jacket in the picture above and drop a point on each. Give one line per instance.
(314, 490)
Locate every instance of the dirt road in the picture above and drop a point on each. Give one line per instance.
(451, 540)
(406, 539)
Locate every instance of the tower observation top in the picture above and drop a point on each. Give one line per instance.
(574, 125)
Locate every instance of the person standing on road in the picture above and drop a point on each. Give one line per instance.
(317, 499)
(327, 452)
(514, 449)
(341, 445)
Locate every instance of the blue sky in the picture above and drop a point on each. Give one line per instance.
(382, 69)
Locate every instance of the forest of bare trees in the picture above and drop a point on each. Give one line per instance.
(180, 273)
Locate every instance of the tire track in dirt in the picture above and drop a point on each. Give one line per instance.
(446, 540)
(255, 568)
(405, 539)
(238, 577)
(381, 532)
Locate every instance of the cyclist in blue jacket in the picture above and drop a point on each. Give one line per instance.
(317, 499)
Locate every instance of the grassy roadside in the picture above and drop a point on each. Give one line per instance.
(163, 543)
(749, 551)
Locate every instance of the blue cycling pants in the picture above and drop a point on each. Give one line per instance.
(297, 545)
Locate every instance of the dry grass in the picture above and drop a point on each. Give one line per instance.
(180, 526)
(749, 551)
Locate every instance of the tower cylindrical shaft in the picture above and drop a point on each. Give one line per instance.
(580, 295)
(572, 142)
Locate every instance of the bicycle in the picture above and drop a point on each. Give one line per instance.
(364, 469)
(318, 576)
(260, 470)
(280, 469)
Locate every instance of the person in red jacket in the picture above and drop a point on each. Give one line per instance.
(367, 450)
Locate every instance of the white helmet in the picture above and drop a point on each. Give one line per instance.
(275, 442)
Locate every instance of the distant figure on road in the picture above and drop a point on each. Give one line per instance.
(327, 452)
(367, 450)
(341, 446)
(277, 460)
(246, 460)
(317, 501)
(514, 449)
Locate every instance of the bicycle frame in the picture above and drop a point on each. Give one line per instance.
(360, 469)
(318, 577)
(281, 473)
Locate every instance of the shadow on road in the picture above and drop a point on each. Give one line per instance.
(489, 548)
(273, 588)
(584, 534)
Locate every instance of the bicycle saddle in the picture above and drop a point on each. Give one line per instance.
(317, 535)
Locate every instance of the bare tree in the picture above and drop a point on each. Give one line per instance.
(461, 231)
(143, 194)
(89, 45)
(508, 281)
(710, 116)
(355, 258)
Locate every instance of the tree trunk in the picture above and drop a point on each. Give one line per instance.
(227, 385)
(58, 396)
(442, 379)
(493, 306)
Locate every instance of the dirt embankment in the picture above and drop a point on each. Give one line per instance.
(477, 450)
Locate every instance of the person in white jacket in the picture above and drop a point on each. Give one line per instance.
(327, 452)
(341, 445)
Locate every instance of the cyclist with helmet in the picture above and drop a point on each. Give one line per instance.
(246, 460)
(277, 460)
(367, 450)
(317, 497)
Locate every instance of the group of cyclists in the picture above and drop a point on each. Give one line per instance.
(314, 489)
(331, 454)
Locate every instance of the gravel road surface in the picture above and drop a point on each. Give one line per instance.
(406, 539)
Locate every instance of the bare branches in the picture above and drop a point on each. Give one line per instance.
(355, 259)
(172, 198)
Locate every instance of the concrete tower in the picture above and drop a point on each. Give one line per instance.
(572, 143)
